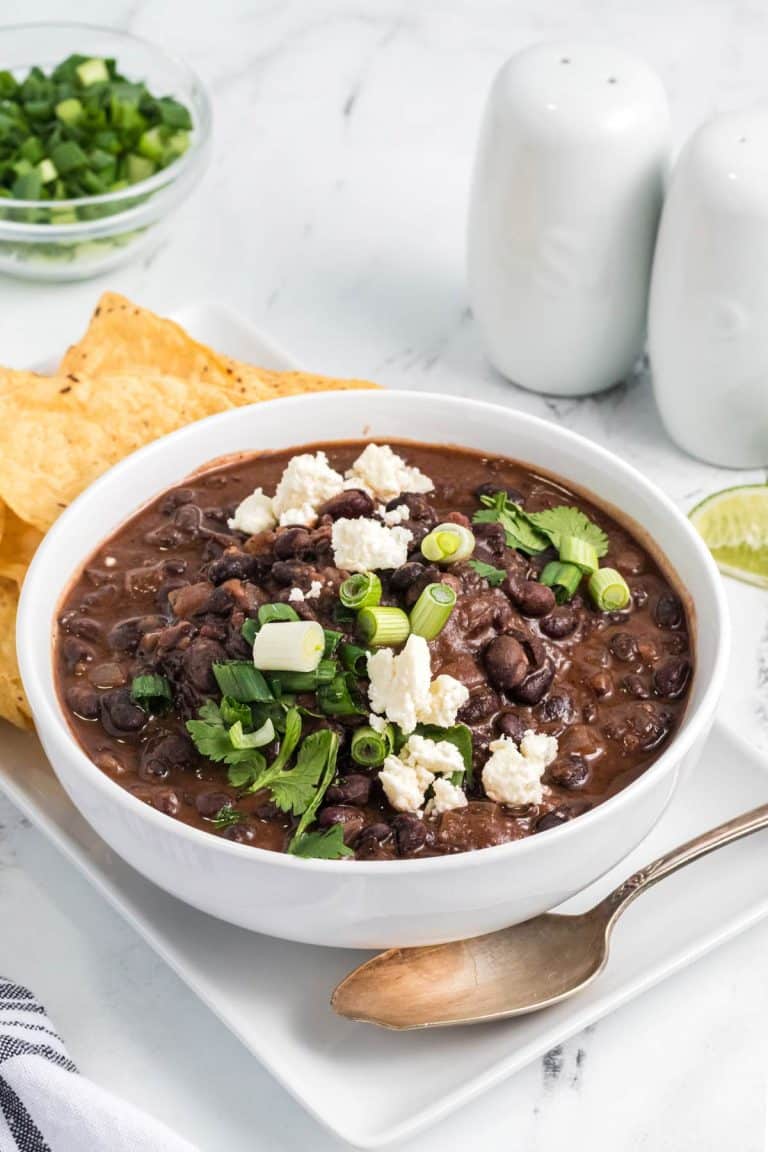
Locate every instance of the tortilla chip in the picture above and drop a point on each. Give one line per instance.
(17, 547)
(13, 702)
(123, 339)
(58, 434)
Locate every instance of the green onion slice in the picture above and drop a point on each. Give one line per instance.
(431, 611)
(339, 698)
(563, 579)
(332, 641)
(242, 740)
(240, 680)
(274, 613)
(152, 693)
(371, 748)
(305, 681)
(249, 630)
(448, 544)
(609, 590)
(380, 626)
(363, 590)
(354, 659)
(574, 550)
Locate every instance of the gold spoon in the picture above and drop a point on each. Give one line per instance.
(516, 970)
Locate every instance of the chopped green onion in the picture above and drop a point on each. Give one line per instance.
(609, 590)
(233, 710)
(332, 641)
(369, 747)
(339, 698)
(69, 111)
(272, 613)
(354, 659)
(379, 626)
(240, 680)
(151, 692)
(563, 579)
(296, 646)
(306, 681)
(431, 611)
(448, 544)
(47, 171)
(574, 550)
(249, 630)
(92, 71)
(363, 590)
(242, 740)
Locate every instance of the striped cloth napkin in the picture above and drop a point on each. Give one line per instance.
(45, 1106)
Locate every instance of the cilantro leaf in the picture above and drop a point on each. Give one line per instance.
(519, 532)
(242, 773)
(326, 845)
(297, 791)
(323, 751)
(557, 523)
(211, 740)
(494, 576)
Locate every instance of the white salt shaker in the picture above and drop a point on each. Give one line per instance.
(708, 320)
(566, 199)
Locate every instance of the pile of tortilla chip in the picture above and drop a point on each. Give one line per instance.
(133, 377)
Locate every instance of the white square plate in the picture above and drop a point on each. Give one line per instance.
(373, 1087)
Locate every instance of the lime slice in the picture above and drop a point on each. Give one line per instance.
(734, 524)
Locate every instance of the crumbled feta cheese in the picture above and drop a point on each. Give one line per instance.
(439, 757)
(395, 515)
(378, 723)
(306, 516)
(401, 687)
(512, 775)
(446, 796)
(406, 778)
(365, 545)
(382, 473)
(254, 514)
(307, 482)
(295, 596)
(315, 589)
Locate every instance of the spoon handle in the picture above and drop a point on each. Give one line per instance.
(744, 825)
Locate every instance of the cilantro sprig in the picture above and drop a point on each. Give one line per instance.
(565, 521)
(533, 532)
(326, 845)
(518, 530)
(494, 576)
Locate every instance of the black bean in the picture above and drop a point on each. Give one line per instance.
(167, 800)
(570, 772)
(197, 661)
(511, 723)
(557, 707)
(349, 505)
(209, 803)
(559, 623)
(624, 647)
(418, 506)
(351, 818)
(164, 536)
(76, 652)
(635, 686)
(173, 500)
(352, 789)
(491, 538)
(530, 597)
(125, 635)
(82, 627)
(101, 597)
(159, 756)
(293, 573)
(535, 686)
(373, 834)
(231, 566)
(293, 543)
(668, 611)
(553, 819)
(189, 519)
(406, 575)
(483, 702)
(505, 662)
(410, 833)
(490, 489)
(671, 678)
(240, 833)
(430, 574)
(118, 713)
(82, 700)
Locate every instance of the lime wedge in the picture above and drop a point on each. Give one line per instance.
(734, 524)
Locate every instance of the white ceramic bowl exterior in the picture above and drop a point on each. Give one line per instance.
(366, 904)
(565, 203)
(707, 335)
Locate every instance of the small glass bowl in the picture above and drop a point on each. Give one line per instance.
(109, 229)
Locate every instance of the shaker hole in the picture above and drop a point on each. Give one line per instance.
(741, 140)
(565, 60)
(612, 80)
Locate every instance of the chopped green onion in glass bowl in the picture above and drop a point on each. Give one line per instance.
(129, 167)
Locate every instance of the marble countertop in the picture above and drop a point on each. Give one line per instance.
(333, 217)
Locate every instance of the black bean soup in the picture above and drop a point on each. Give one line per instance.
(169, 594)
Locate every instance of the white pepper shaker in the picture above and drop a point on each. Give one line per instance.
(708, 320)
(567, 193)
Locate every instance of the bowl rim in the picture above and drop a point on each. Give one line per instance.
(199, 141)
(49, 712)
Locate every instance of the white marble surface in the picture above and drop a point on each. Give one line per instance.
(333, 215)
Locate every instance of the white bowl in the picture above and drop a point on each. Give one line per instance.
(368, 904)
